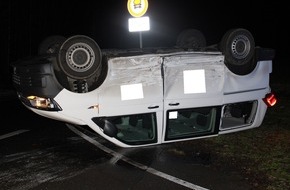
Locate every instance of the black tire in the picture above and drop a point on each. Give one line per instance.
(238, 47)
(191, 39)
(51, 44)
(80, 57)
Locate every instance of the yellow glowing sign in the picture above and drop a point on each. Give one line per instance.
(137, 8)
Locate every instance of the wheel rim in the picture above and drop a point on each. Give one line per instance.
(80, 57)
(240, 47)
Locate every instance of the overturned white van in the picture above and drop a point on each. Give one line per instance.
(150, 96)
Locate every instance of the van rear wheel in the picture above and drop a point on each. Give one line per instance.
(238, 47)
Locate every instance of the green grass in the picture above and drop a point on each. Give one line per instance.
(262, 154)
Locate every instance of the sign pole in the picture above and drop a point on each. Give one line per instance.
(137, 8)
(140, 40)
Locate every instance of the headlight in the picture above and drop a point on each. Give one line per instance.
(40, 103)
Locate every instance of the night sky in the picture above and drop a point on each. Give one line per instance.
(26, 23)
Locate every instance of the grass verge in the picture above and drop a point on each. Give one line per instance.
(262, 155)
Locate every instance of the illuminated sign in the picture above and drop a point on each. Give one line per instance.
(137, 8)
(139, 24)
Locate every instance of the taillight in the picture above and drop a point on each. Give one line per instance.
(270, 99)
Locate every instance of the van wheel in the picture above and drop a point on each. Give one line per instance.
(50, 44)
(80, 57)
(238, 47)
(191, 39)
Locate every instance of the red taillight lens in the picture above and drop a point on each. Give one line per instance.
(270, 99)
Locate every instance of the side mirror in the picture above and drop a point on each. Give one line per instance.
(108, 127)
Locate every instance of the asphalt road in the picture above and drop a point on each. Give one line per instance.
(38, 153)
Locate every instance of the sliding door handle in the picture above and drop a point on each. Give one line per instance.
(173, 104)
(153, 107)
